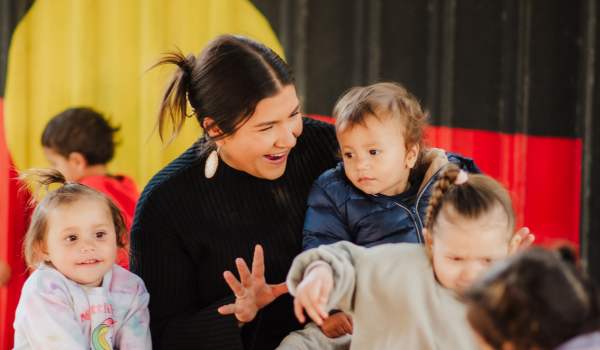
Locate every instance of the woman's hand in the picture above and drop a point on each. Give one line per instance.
(4, 273)
(312, 294)
(252, 292)
(337, 325)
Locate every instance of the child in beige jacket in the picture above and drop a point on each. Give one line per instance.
(405, 295)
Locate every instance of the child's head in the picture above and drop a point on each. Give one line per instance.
(75, 229)
(76, 139)
(469, 225)
(532, 301)
(380, 131)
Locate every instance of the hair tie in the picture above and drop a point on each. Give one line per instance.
(461, 178)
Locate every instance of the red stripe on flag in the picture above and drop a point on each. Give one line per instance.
(13, 223)
(322, 118)
(543, 174)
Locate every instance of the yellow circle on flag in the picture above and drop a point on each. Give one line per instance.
(96, 53)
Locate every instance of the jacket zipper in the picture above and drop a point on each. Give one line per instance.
(419, 225)
(419, 234)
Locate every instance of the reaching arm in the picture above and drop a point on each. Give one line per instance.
(324, 278)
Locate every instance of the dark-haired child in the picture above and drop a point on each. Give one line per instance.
(535, 300)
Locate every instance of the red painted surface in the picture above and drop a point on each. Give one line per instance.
(13, 223)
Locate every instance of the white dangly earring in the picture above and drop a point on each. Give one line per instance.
(212, 163)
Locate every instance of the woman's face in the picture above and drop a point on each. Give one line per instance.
(260, 147)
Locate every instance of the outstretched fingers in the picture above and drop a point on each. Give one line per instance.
(258, 262)
(243, 314)
(227, 309)
(234, 284)
(244, 271)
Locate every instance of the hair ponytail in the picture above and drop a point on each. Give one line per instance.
(39, 181)
(43, 177)
(174, 102)
(441, 187)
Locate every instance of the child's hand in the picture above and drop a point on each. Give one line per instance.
(337, 325)
(253, 293)
(312, 294)
(4, 273)
(521, 240)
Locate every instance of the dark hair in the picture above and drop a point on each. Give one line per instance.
(476, 196)
(67, 193)
(225, 82)
(82, 130)
(534, 299)
(382, 100)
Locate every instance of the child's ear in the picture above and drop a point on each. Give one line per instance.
(412, 155)
(211, 128)
(428, 238)
(41, 252)
(428, 242)
(77, 160)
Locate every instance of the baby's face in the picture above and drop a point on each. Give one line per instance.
(462, 249)
(376, 160)
(81, 241)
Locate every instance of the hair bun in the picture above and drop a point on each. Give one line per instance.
(188, 64)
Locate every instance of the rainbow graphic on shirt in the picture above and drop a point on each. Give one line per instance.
(99, 341)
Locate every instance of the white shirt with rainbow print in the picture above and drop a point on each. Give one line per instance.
(57, 313)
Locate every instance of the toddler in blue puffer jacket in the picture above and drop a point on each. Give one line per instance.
(379, 193)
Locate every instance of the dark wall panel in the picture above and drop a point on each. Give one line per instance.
(506, 65)
(11, 12)
(330, 51)
(480, 102)
(404, 36)
(554, 67)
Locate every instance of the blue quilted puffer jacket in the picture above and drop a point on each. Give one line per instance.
(338, 211)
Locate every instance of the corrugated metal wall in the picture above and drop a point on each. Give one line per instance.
(499, 65)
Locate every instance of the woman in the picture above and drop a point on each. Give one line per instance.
(245, 182)
(192, 220)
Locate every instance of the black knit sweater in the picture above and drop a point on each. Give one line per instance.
(188, 230)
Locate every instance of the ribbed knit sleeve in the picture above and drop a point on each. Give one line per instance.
(188, 230)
